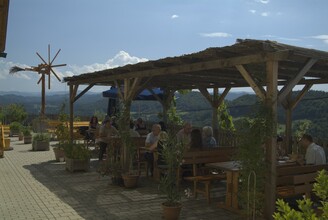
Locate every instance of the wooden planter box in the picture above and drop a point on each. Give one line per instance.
(40, 145)
(77, 165)
(27, 139)
(7, 144)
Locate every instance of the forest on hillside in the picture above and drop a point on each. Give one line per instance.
(191, 107)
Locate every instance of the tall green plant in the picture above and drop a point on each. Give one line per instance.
(124, 132)
(172, 154)
(62, 131)
(225, 119)
(251, 155)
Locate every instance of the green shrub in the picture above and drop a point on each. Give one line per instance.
(307, 212)
(41, 137)
(76, 151)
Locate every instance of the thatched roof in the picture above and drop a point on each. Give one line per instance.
(216, 67)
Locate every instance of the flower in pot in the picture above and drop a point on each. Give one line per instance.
(27, 135)
(41, 142)
(171, 152)
(77, 157)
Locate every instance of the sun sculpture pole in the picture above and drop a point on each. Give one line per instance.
(44, 69)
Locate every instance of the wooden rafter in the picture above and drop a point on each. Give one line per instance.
(260, 92)
(294, 81)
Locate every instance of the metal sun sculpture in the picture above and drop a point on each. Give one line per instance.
(45, 68)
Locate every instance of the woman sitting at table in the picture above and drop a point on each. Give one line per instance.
(208, 139)
(93, 126)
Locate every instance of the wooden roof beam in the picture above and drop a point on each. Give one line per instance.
(260, 92)
(83, 92)
(185, 68)
(294, 81)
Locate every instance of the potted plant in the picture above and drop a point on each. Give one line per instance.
(27, 135)
(41, 142)
(130, 175)
(112, 168)
(62, 134)
(77, 157)
(15, 128)
(171, 152)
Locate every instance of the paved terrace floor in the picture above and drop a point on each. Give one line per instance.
(34, 186)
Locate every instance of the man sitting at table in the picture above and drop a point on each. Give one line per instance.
(151, 144)
(314, 153)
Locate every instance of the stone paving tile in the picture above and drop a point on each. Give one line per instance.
(34, 186)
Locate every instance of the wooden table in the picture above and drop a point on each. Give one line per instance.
(232, 170)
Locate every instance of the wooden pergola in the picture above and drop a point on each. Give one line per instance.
(4, 8)
(261, 65)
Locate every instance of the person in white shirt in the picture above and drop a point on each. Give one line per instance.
(184, 134)
(314, 153)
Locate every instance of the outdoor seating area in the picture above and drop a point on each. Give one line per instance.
(34, 185)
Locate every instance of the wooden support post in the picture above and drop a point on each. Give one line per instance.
(43, 96)
(288, 129)
(215, 102)
(271, 144)
(71, 111)
(289, 106)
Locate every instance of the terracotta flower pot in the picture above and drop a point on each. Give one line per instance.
(59, 153)
(171, 212)
(130, 181)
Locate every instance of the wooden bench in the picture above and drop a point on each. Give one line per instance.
(53, 124)
(297, 180)
(4, 139)
(197, 158)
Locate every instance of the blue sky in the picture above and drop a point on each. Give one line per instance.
(99, 34)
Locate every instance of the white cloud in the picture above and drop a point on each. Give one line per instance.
(263, 1)
(216, 34)
(122, 58)
(17, 82)
(252, 11)
(265, 14)
(323, 37)
(174, 16)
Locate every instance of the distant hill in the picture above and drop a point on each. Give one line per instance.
(192, 107)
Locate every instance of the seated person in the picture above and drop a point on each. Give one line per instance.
(196, 139)
(184, 134)
(93, 126)
(106, 131)
(208, 139)
(151, 144)
(314, 153)
(141, 127)
(133, 133)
